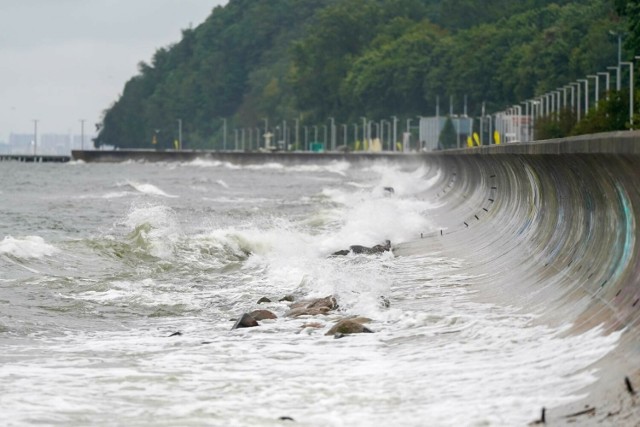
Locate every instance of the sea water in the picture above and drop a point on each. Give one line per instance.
(101, 264)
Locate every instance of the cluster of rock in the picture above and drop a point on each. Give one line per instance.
(307, 307)
(358, 249)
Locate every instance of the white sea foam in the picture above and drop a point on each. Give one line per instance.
(26, 247)
(150, 189)
(204, 163)
(156, 226)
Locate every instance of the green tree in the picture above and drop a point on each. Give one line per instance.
(448, 137)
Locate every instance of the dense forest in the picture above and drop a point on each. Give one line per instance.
(258, 63)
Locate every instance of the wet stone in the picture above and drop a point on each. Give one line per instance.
(262, 315)
(245, 321)
(348, 326)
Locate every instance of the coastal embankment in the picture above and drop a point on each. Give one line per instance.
(550, 228)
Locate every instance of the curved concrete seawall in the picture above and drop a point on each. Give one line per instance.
(550, 227)
(555, 234)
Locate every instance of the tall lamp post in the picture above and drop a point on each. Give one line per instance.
(607, 82)
(333, 133)
(586, 95)
(82, 134)
(179, 147)
(596, 79)
(631, 87)
(266, 131)
(617, 70)
(577, 104)
(35, 136)
(395, 132)
(619, 35)
(224, 134)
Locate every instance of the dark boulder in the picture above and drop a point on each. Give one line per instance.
(359, 249)
(330, 302)
(264, 300)
(349, 326)
(245, 321)
(262, 315)
(306, 311)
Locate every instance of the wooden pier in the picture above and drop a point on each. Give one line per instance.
(34, 158)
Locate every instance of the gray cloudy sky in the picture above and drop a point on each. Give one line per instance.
(66, 60)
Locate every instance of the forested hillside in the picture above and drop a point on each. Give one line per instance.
(313, 59)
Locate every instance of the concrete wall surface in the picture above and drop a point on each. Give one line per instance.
(557, 235)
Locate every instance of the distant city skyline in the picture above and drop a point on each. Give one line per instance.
(68, 60)
(48, 143)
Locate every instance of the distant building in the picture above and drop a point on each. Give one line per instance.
(21, 143)
(431, 128)
(53, 144)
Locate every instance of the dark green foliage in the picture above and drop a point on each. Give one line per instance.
(555, 126)
(611, 114)
(448, 136)
(631, 10)
(315, 59)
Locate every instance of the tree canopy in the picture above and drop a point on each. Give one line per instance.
(256, 61)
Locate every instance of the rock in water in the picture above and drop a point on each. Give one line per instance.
(304, 311)
(245, 321)
(359, 249)
(348, 326)
(330, 302)
(264, 300)
(341, 253)
(262, 314)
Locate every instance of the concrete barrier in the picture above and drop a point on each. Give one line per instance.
(552, 228)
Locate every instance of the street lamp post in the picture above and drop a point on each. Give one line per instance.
(306, 138)
(235, 141)
(297, 121)
(224, 135)
(617, 69)
(355, 133)
(597, 87)
(395, 132)
(586, 95)
(82, 134)
(607, 82)
(577, 104)
(564, 96)
(179, 134)
(333, 133)
(35, 136)
(631, 89)
(344, 128)
(266, 131)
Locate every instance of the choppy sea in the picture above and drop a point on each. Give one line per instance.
(101, 264)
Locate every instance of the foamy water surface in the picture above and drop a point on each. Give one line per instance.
(102, 263)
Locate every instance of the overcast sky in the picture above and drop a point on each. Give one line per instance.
(66, 60)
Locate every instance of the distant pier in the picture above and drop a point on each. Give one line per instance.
(34, 158)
